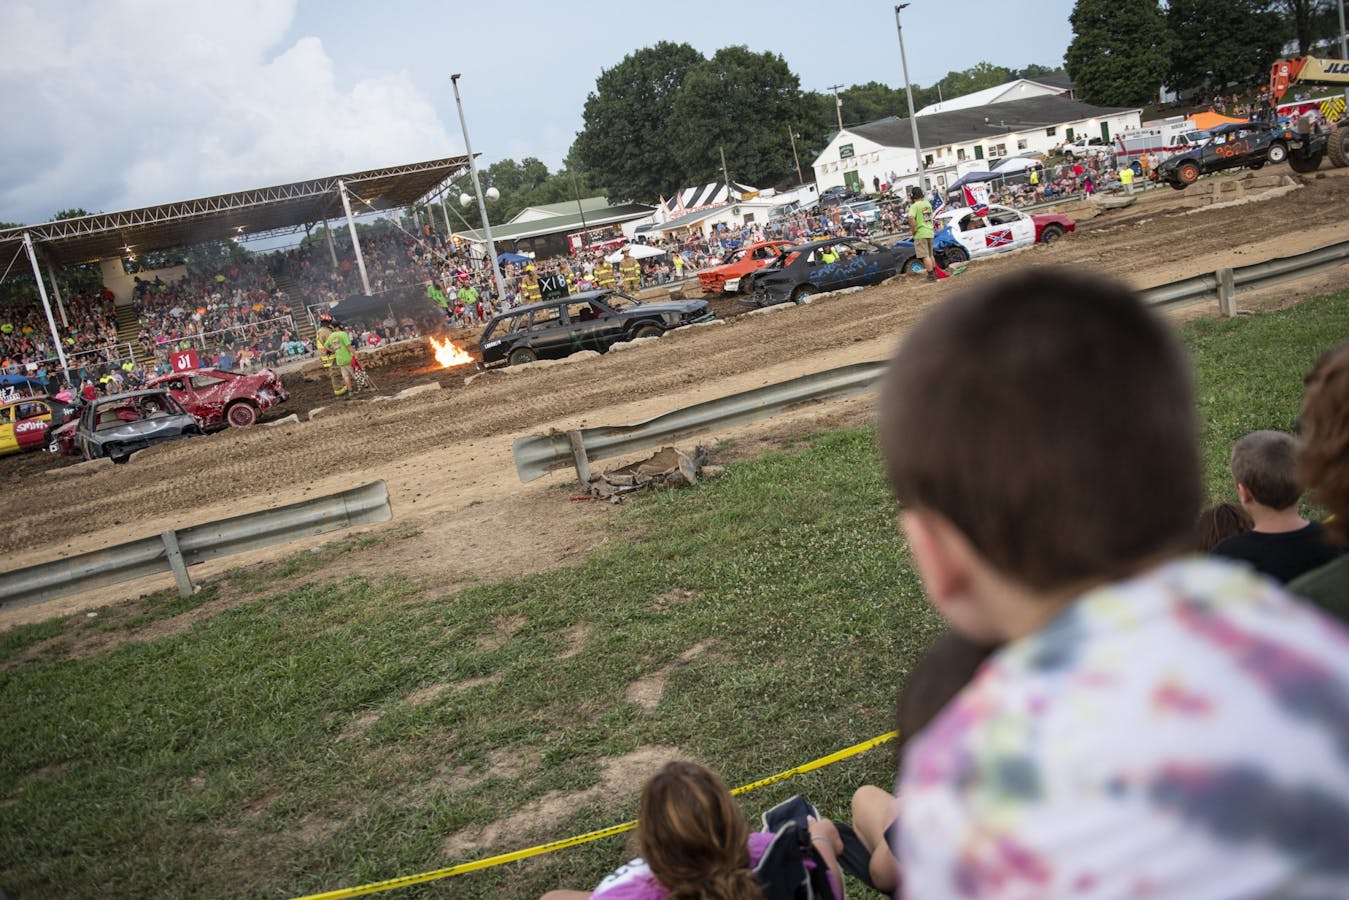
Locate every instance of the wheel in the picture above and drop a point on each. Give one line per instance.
(521, 355)
(1051, 234)
(117, 455)
(746, 285)
(1336, 149)
(1177, 186)
(956, 255)
(241, 414)
(1188, 172)
(912, 266)
(1254, 166)
(647, 331)
(1305, 164)
(1277, 152)
(802, 294)
(54, 448)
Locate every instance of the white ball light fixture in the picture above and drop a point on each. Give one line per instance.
(465, 200)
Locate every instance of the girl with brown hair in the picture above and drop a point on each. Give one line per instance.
(695, 844)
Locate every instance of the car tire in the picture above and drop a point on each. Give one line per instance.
(912, 266)
(802, 294)
(1177, 185)
(956, 255)
(1305, 164)
(1336, 149)
(1188, 173)
(746, 285)
(117, 456)
(1254, 166)
(1051, 234)
(522, 355)
(241, 414)
(648, 331)
(1277, 152)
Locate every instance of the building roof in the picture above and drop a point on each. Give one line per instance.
(964, 125)
(252, 212)
(566, 207)
(692, 218)
(1011, 89)
(573, 221)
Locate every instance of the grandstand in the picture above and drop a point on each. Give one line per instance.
(109, 238)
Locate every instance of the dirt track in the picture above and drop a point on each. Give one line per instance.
(446, 454)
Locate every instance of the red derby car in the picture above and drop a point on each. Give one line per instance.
(736, 275)
(218, 396)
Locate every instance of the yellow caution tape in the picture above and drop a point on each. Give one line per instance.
(491, 861)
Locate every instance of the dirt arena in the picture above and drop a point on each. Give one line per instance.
(446, 453)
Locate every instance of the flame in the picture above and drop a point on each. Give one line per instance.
(449, 355)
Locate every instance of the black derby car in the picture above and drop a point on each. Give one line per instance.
(1232, 146)
(593, 320)
(827, 265)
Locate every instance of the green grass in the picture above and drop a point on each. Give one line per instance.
(293, 742)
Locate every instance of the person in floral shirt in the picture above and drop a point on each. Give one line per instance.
(1153, 725)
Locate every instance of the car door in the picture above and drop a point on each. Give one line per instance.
(1008, 228)
(548, 334)
(211, 394)
(827, 276)
(591, 326)
(8, 442)
(30, 423)
(971, 231)
(178, 387)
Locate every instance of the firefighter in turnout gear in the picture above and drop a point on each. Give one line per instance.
(604, 274)
(529, 286)
(631, 272)
(326, 356)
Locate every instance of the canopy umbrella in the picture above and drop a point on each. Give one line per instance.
(971, 178)
(514, 258)
(638, 251)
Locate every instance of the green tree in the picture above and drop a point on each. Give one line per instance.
(1035, 70)
(871, 101)
(627, 142)
(1120, 52)
(1308, 22)
(72, 213)
(976, 78)
(740, 102)
(1223, 42)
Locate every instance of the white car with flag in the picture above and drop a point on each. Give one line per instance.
(983, 228)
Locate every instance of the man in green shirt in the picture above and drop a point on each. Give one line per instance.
(338, 344)
(920, 223)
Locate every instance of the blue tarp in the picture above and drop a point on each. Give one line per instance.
(513, 258)
(972, 178)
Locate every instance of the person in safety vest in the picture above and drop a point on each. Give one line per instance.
(530, 288)
(324, 332)
(604, 273)
(631, 272)
(338, 343)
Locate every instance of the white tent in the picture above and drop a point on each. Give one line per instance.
(638, 251)
(1014, 164)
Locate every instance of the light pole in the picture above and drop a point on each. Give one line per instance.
(477, 189)
(800, 179)
(908, 91)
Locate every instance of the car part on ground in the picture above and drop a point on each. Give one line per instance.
(591, 320)
(117, 426)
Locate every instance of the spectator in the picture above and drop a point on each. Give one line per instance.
(1219, 522)
(1281, 543)
(1323, 465)
(695, 844)
(1123, 736)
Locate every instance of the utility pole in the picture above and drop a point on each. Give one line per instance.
(908, 91)
(801, 179)
(725, 177)
(838, 104)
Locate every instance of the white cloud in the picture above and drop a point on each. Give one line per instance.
(115, 104)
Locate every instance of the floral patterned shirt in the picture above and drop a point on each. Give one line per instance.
(1181, 734)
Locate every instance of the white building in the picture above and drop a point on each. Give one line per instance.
(959, 141)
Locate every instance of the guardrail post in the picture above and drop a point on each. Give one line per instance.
(578, 455)
(1227, 292)
(175, 557)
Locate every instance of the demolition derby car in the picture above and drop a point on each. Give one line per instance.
(736, 275)
(1233, 146)
(217, 396)
(828, 265)
(962, 235)
(24, 424)
(117, 426)
(592, 320)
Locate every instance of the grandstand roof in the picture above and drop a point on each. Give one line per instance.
(252, 212)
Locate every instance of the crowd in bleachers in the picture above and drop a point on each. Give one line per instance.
(90, 334)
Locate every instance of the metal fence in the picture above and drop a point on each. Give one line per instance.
(176, 550)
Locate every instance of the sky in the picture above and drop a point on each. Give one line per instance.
(117, 104)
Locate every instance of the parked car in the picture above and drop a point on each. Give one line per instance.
(218, 396)
(961, 235)
(736, 274)
(591, 320)
(1231, 146)
(24, 423)
(1085, 147)
(839, 194)
(802, 270)
(116, 427)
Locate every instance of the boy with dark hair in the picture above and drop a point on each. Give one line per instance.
(1280, 544)
(1152, 725)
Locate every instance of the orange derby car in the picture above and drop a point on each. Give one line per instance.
(736, 275)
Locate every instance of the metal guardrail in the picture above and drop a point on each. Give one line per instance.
(537, 455)
(176, 550)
